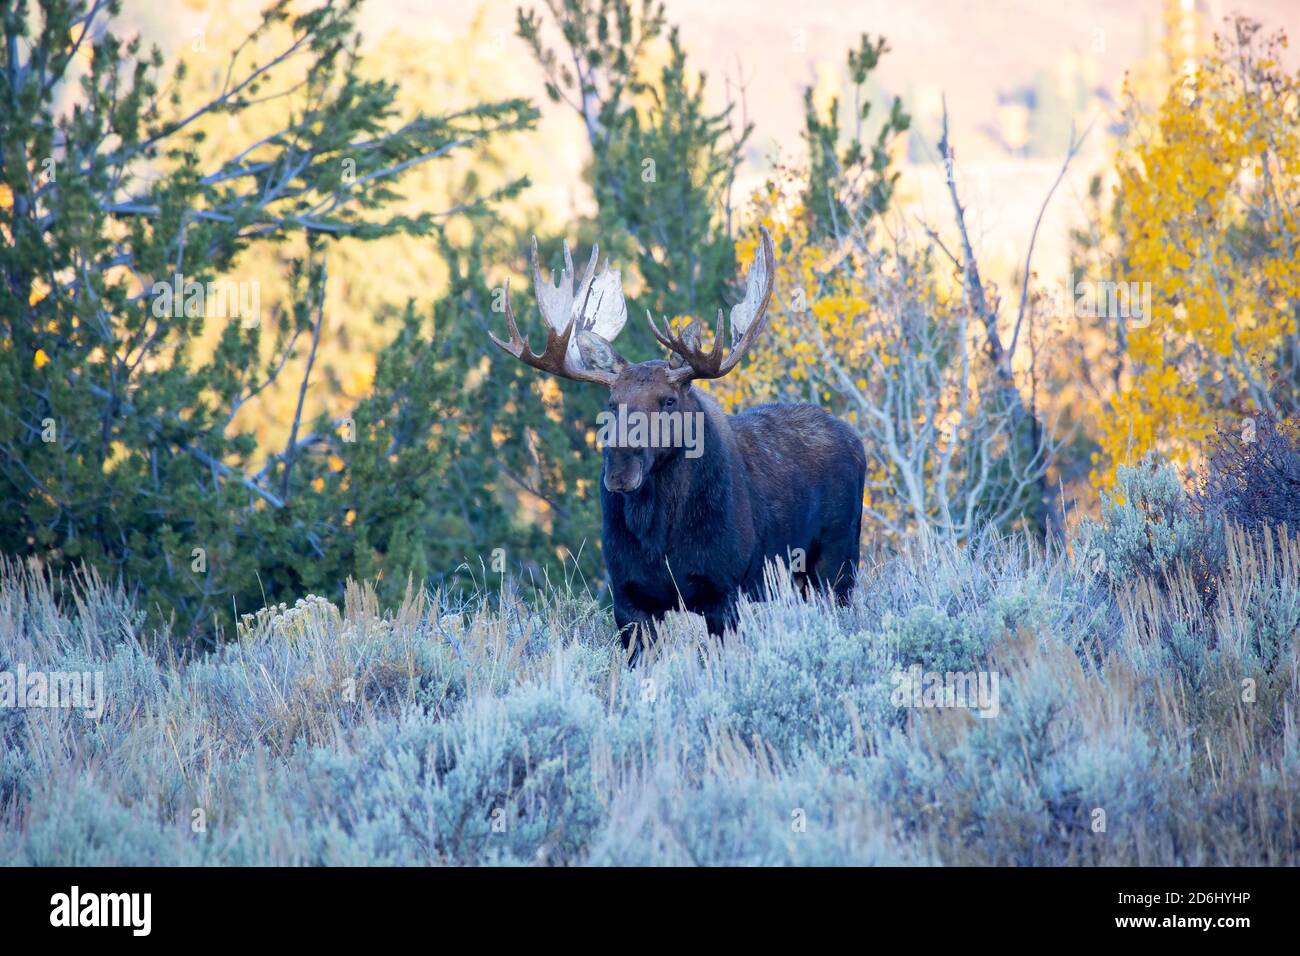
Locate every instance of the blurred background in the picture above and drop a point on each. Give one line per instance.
(1017, 78)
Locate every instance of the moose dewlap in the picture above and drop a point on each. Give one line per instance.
(692, 524)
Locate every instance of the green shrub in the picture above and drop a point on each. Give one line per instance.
(1149, 529)
(937, 642)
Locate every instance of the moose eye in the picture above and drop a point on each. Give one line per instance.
(668, 402)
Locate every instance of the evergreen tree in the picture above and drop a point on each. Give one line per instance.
(115, 442)
(850, 175)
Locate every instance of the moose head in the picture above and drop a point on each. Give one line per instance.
(581, 326)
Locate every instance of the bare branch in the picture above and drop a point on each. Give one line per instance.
(1075, 144)
(291, 449)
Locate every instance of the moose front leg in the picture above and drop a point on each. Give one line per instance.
(636, 627)
(721, 615)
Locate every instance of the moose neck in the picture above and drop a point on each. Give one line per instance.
(686, 493)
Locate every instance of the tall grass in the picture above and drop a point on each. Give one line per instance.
(1138, 723)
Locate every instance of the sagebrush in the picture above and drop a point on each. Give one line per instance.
(1137, 725)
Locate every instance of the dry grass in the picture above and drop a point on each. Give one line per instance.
(510, 731)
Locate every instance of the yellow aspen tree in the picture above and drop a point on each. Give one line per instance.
(1208, 197)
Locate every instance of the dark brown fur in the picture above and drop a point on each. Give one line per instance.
(777, 481)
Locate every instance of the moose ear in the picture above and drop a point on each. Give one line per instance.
(599, 355)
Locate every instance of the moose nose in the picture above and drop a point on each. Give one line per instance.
(625, 482)
(623, 486)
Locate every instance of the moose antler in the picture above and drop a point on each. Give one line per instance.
(748, 319)
(597, 307)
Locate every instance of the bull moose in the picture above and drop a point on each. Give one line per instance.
(779, 481)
